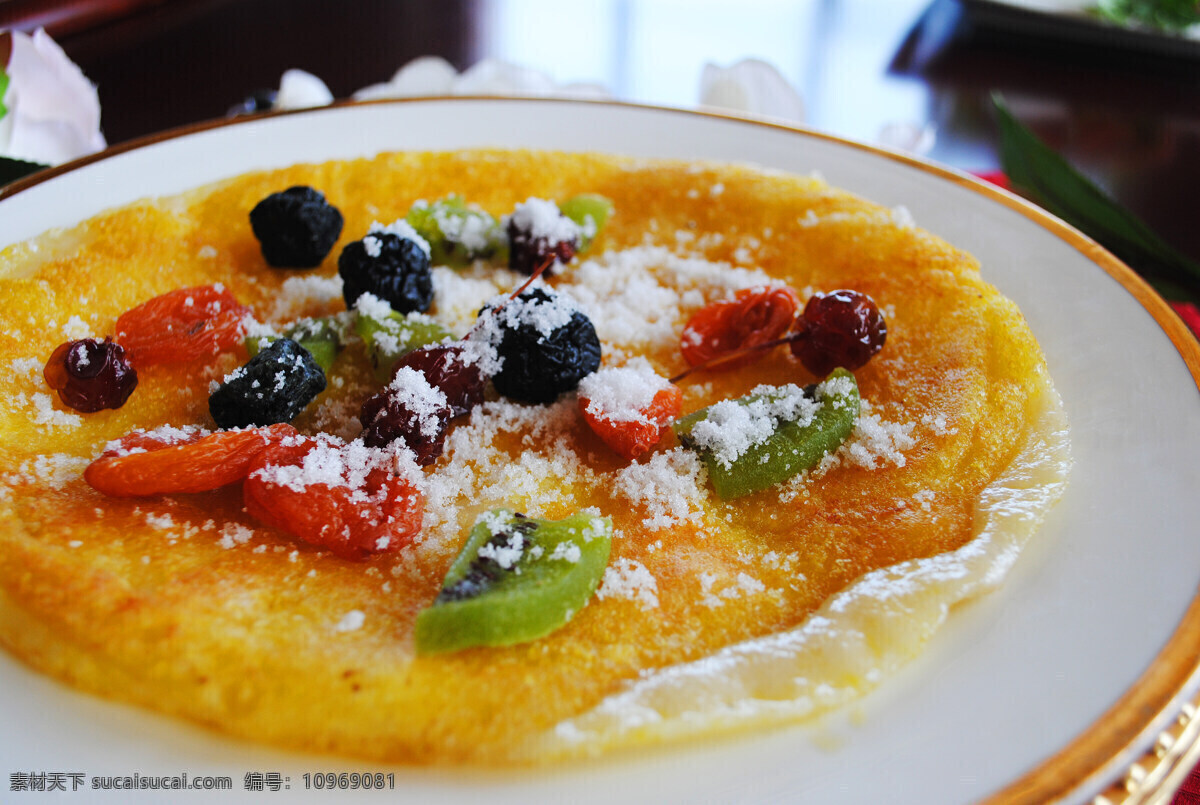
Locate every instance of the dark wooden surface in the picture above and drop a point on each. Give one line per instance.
(1128, 117)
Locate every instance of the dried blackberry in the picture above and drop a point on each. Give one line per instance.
(295, 228)
(394, 268)
(273, 386)
(537, 233)
(90, 375)
(410, 410)
(547, 346)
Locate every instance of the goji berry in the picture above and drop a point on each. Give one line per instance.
(343, 497)
(181, 326)
(142, 464)
(633, 436)
(754, 316)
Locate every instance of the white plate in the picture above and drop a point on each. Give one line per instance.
(1040, 678)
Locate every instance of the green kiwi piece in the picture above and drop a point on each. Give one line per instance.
(388, 338)
(791, 447)
(322, 337)
(517, 579)
(591, 212)
(457, 232)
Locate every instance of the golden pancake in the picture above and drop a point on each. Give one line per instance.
(712, 615)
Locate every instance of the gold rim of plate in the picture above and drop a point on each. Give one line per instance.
(1168, 691)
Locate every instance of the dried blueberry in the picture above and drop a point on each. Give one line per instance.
(547, 345)
(295, 228)
(537, 233)
(273, 386)
(394, 268)
(90, 374)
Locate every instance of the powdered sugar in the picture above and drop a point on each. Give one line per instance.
(425, 403)
(400, 228)
(670, 488)
(542, 219)
(629, 579)
(333, 463)
(622, 394)
(732, 427)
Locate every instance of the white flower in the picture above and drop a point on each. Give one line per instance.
(434, 76)
(908, 136)
(53, 110)
(301, 90)
(753, 86)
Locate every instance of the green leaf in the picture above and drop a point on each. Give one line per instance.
(1165, 15)
(13, 169)
(1045, 177)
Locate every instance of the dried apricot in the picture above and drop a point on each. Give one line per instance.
(172, 461)
(347, 498)
(754, 316)
(182, 325)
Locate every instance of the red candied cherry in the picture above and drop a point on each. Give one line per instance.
(449, 368)
(409, 410)
(90, 374)
(841, 328)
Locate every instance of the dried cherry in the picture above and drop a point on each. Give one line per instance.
(447, 367)
(182, 325)
(841, 328)
(409, 410)
(90, 375)
(142, 464)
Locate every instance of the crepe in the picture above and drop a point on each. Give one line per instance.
(712, 615)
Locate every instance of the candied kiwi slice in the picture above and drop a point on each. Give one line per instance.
(389, 336)
(457, 232)
(517, 579)
(322, 337)
(591, 212)
(790, 449)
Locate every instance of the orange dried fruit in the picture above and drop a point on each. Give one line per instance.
(182, 325)
(169, 462)
(754, 316)
(629, 408)
(347, 498)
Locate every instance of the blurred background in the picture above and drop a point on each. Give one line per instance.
(1123, 106)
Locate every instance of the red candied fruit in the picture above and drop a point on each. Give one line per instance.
(631, 438)
(143, 464)
(446, 367)
(389, 417)
(182, 325)
(753, 317)
(90, 375)
(841, 328)
(372, 509)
